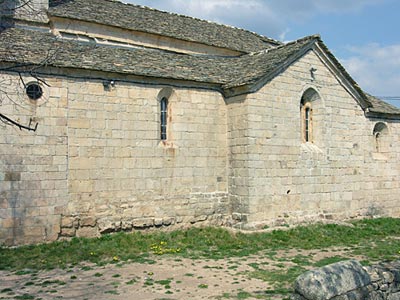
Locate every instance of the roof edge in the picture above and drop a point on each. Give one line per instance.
(258, 83)
(333, 63)
(382, 115)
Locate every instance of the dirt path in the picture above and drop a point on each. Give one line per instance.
(167, 278)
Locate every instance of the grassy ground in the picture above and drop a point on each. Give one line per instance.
(372, 239)
(376, 239)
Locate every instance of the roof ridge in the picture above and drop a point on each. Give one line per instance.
(303, 39)
(153, 21)
(268, 39)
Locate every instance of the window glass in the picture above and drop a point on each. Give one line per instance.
(163, 118)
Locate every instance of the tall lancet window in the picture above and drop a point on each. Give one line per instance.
(306, 116)
(307, 124)
(308, 100)
(163, 118)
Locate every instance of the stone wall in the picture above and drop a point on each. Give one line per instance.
(96, 163)
(238, 126)
(120, 172)
(336, 176)
(349, 280)
(33, 166)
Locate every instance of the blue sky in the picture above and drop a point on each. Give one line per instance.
(363, 34)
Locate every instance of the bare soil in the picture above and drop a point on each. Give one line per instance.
(168, 278)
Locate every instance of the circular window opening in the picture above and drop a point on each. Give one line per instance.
(34, 91)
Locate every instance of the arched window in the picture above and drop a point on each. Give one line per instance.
(307, 123)
(381, 134)
(163, 118)
(165, 101)
(306, 111)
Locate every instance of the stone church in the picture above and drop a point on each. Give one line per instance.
(134, 118)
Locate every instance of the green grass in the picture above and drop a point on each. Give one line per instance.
(373, 238)
(328, 261)
(280, 279)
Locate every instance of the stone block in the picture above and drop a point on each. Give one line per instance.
(143, 223)
(12, 176)
(198, 219)
(394, 296)
(79, 123)
(126, 225)
(11, 222)
(68, 232)
(107, 225)
(87, 232)
(67, 222)
(332, 280)
(158, 221)
(87, 221)
(168, 221)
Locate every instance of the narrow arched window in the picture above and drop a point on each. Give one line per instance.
(306, 120)
(381, 137)
(163, 118)
(309, 98)
(307, 125)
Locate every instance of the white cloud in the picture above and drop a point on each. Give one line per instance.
(376, 68)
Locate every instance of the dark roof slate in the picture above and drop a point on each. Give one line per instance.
(251, 68)
(35, 47)
(21, 46)
(144, 19)
(381, 107)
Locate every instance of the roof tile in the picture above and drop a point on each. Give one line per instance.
(144, 19)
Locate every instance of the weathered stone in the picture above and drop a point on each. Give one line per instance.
(359, 294)
(388, 277)
(126, 225)
(375, 295)
(199, 219)
(168, 221)
(143, 223)
(87, 232)
(158, 221)
(67, 222)
(374, 275)
(394, 296)
(108, 225)
(87, 221)
(332, 280)
(68, 232)
(383, 288)
(297, 297)
(237, 216)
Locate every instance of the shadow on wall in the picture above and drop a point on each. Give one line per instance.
(11, 211)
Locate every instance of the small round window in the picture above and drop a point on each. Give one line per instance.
(34, 91)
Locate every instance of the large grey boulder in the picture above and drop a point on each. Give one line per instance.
(332, 280)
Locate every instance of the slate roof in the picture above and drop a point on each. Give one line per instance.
(34, 47)
(251, 68)
(134, 17)
(22, 46)
(381, 107)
